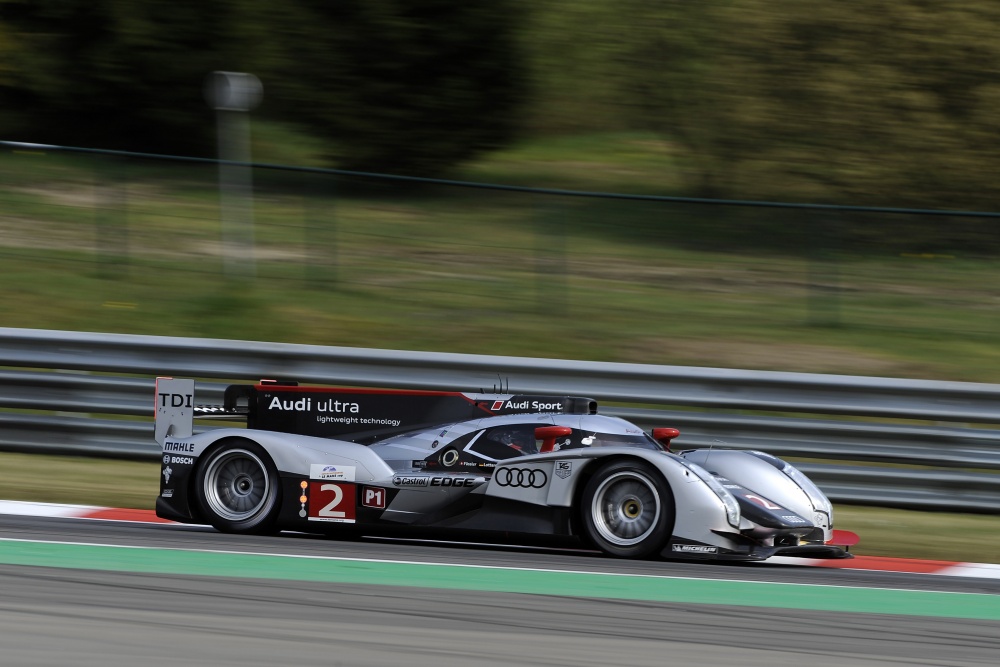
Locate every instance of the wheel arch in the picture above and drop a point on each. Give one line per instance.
(263, 519)
(194, 503)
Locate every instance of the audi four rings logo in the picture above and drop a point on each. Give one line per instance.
(526, 478)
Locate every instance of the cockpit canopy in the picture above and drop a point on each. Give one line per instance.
(478, 446)
(511, 440)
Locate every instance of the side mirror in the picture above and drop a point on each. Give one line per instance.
(665, 435)
(548, 435)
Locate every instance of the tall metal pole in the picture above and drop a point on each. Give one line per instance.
(232, 95)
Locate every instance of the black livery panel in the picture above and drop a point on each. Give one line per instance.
(368, 415)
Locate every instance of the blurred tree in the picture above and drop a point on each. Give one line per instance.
(572, 67)
(851, 102)
(113, 74)
(400, 86)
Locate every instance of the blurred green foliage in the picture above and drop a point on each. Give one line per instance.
(846, 102)
(399, 86)
(111, 74)
(892, 104)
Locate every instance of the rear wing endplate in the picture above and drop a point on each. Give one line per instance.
(174, 416)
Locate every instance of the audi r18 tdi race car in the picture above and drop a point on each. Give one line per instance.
(343, 461)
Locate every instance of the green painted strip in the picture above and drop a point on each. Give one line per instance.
(503, 580)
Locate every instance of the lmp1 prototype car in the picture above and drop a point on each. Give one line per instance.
(340, 461)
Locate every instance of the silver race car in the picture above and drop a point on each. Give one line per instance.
(492, 466)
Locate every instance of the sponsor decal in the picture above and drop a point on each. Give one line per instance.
(306, 405)
(372, 496)
(174, 446)
(477, 464)
(456, 481)
(328, 419)
(167, 493)
(411, 480)
(528, 406)
(420, 464)
(332, 472)
(333, 503)
(694, 549)
(524, 478)
(791, 518)
(453, 481)
(166, 458)
(176, 400)
(167, 472)
(564, 469)
(180, 460)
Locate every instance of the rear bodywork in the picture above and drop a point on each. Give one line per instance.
(428, 462)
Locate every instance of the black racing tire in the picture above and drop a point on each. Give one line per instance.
(237, 487)
(627, 510)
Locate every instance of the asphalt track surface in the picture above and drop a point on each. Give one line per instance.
(62, 616)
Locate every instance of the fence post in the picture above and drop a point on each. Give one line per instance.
(824, 271)
(320, 229)
(550, 258)
(111, 218)
(232, 95)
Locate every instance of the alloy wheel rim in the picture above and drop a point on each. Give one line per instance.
(237, 485)
(626, 508)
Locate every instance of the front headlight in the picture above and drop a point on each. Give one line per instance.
(818, 499)
(732, 507)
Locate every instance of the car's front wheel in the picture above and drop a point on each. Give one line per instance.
(237, 487)
(628, 510)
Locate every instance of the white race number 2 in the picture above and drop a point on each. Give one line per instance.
(329, 510)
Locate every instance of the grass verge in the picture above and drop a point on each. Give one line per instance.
(139, 248)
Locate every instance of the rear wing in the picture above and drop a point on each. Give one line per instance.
(361, 415)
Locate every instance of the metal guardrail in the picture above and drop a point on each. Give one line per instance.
(605, 381)
(50, 406)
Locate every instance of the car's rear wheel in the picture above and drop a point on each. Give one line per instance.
(628, 510)
(237, 487)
